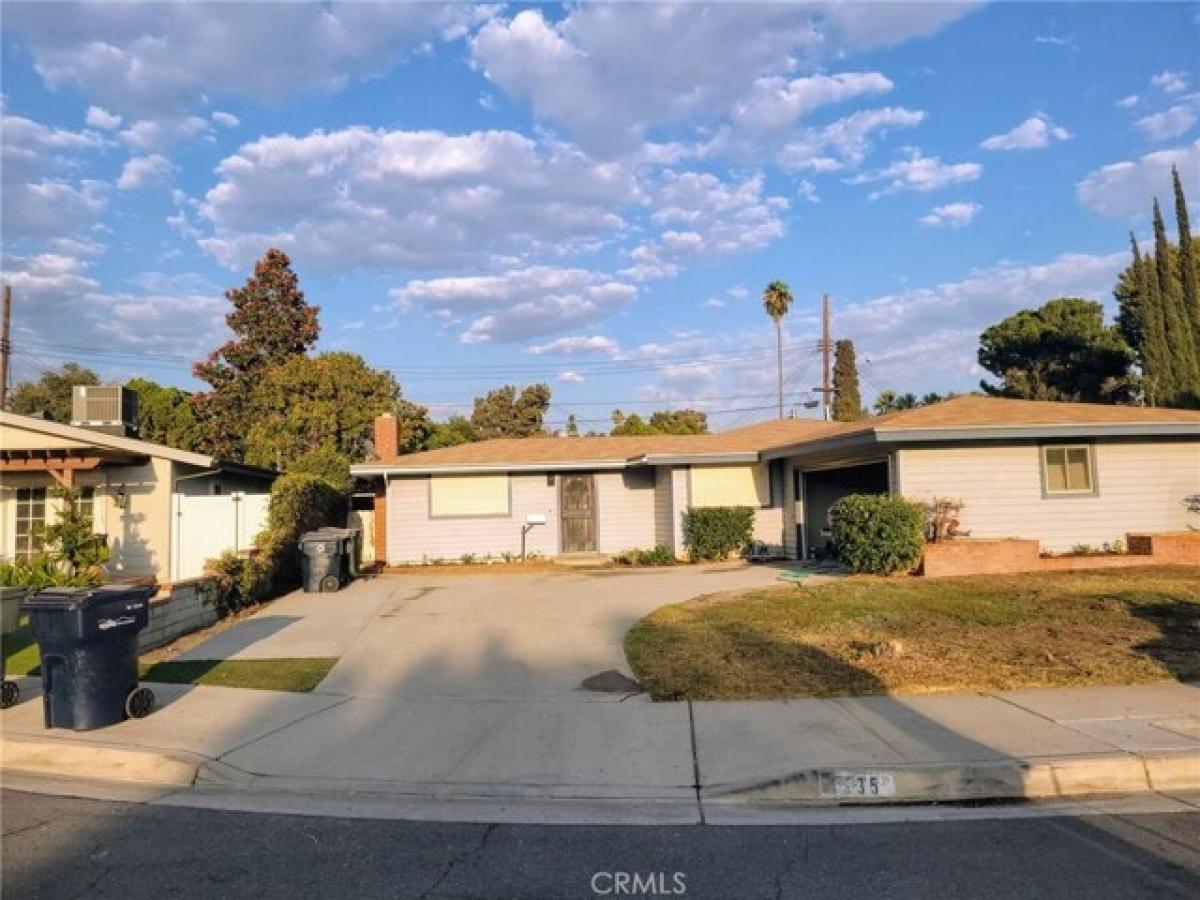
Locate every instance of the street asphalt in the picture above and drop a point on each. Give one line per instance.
(58, 847)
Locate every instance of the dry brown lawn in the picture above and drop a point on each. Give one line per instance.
(867, 635)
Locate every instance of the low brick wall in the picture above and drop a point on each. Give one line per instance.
(1001, 556)
(179, 609)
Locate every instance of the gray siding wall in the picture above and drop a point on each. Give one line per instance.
(625, 510)
(681, 500)
(1140, 488)
(664, 508)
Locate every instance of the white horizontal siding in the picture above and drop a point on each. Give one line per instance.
(664, 508)
(768, 527)
(1141, 486)
(625, 510)
(412, 536)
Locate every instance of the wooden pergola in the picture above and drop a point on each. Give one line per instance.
(61, 464)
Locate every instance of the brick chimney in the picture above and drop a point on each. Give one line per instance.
(387, 436)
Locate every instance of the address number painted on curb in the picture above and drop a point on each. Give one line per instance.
(863, 784)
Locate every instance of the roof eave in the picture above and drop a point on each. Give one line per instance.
(1034, 432)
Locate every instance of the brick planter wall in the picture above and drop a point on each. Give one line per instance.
(1000, 556)
(179, 609)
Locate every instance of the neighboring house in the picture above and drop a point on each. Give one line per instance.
(163, 511)
(1061, 473)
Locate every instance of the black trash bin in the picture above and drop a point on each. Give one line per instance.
(10, 600)
(351, 548)
(88, 643)
(323, 561)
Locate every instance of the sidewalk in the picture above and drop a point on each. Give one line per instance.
(1014, 745)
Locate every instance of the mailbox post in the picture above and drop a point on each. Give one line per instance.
(532, 520)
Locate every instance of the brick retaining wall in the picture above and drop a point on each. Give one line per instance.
(1000, 556)
(179, 609)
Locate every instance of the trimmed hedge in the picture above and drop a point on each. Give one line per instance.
(715, 532)
(878, 534)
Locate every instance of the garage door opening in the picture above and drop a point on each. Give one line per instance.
(824, 488)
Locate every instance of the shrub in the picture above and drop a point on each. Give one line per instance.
(72, 555)
(658, 556)
(238, 581)
(42, 570)
(941, 519)
(327, 464)
(714, 532)
(876, 533)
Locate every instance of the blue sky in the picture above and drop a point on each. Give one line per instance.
(593, 196)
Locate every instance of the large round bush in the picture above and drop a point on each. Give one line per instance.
(878, 534)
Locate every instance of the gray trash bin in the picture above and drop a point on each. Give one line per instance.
(323, 560)
(10, 620)
(351, 546)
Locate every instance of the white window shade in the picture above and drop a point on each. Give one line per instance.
(730, 486)
(468, 495)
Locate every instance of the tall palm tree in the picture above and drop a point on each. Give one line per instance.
(777, 300)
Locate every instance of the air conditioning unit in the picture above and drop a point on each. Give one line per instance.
(105, 407)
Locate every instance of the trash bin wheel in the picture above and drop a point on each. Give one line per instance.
(330, 583)
(10, 694)
(139, 703)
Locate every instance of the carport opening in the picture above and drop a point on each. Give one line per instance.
(824, 488)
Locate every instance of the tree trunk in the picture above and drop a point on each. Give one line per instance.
(779, 354)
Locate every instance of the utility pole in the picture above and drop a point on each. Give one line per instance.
(825, 345)
(5, 346)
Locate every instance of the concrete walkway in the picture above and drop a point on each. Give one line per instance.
(466, 689)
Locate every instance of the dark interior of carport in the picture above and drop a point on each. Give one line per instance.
(824, 487)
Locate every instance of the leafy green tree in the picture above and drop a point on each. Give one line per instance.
(165, 415)
(454, 431)
(629, 425)
(1181, 342)
(777, 300)
(327, 464)
(889, 401)
(572, 428)
(505, 413)
(51, 393)
(272, 323)
(679, 421)
(847, 401)
(310, 403)
(1062, 351)
(414, 426)
(1187, 260)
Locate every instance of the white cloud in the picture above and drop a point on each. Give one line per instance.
(152, 60)
(42, 195)
(144, 171)
(1034, 133)
(1171, 123)
(1126, 188)
(951, 215)
(1170, 82)
(97, 117)
(1129, 102)
(578, 345)
(703, 216)
(226, 120)
(807, 191)
(1056, 41)
(521, 303)
(152, 134)
(918, 173)
(776, 104)
(845, 142)
(612, 72)
(715, 303)
(571, 377)
(362, 198)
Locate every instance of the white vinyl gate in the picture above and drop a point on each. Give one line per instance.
(207, 526)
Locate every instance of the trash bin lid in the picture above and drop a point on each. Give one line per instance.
(8, 591)
(76, 598)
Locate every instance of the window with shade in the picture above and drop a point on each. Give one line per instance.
(1067, 470)
(468, 496)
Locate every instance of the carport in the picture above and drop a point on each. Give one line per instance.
(820, 488)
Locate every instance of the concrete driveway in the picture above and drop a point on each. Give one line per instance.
(499, 637)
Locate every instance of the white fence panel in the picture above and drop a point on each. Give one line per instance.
(207, 526)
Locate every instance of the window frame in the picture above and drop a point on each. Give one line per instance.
(1093, 490)
(32, 538)
(441, 517)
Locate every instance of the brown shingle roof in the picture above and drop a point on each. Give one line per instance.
(958, 413)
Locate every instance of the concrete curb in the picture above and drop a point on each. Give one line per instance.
(1057, 778)
(103, 762)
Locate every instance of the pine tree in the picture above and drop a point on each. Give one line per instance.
(1187, 260)
(1180, 341)
(847, 402)
(272, 323)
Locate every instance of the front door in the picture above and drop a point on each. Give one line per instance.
(577, 503)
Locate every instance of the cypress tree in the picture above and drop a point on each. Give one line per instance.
(847, 401)
(1151, 348)
(1180, 341)
(1187, 260)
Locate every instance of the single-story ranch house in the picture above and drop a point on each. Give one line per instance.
(1061, 473)
(163, 511)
